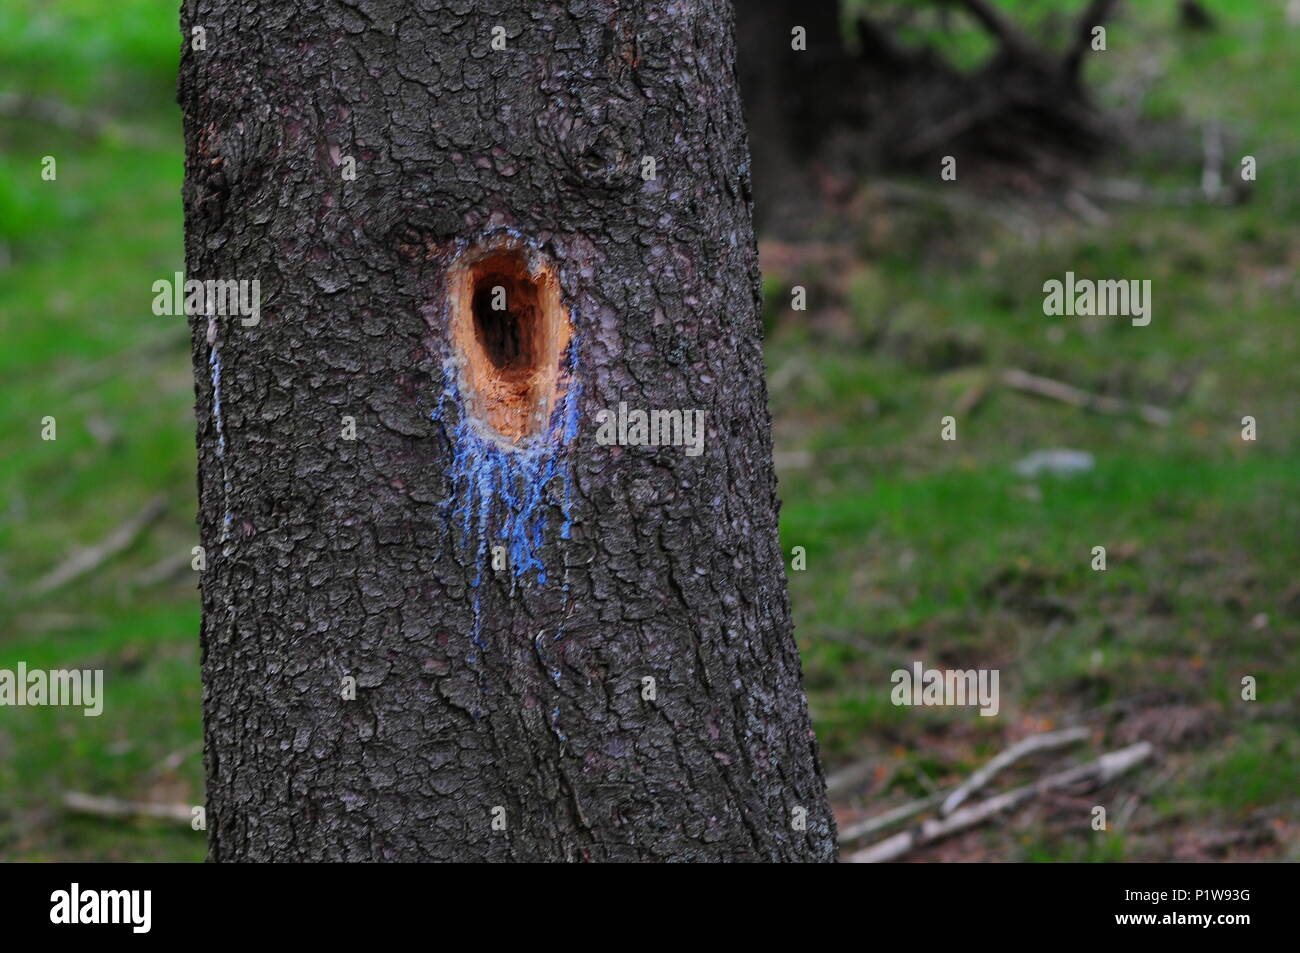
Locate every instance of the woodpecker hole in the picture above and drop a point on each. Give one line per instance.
(510, 331)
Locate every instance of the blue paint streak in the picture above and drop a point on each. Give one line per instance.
(504, 495)
(509, 494)
(214, 364)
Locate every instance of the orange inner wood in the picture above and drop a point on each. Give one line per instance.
(509, 358)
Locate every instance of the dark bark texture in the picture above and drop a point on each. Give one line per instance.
(498, 715)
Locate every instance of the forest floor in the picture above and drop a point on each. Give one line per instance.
(921, 295)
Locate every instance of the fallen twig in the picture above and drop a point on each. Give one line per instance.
(113, 807)
(1069, 394)
(973, 396)
(851, 776)
(165, 569)
(1091, 775)
(801, 459)
(848, 778)
(52, 112)
(1081, 206)
(83, 561)
(1022, 748)
(881, 821)
(1120, 190)
(175, 759)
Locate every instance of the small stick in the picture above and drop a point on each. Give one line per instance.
(1022, 748)
(164, 569)
(53, 112)
(973, 396)
(175, 759)
(83, 561)
(113, 807)
(1093, 774)
(846, 779)
(872, 824)
(1068, 394)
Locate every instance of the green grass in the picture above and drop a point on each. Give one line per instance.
(917, 548)
(83, 346)
(1260, 766)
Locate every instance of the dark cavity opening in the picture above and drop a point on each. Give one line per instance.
(511, 331)
(504, 309)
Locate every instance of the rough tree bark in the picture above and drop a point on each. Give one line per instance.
(485, 697)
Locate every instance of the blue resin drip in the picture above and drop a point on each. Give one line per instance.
(214, 364)
(507, 494)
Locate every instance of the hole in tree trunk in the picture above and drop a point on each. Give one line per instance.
(510, 331)
(505, 319)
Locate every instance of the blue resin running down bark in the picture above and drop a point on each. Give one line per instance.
(214, 364)
(513, 495)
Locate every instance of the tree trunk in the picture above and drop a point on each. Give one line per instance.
(560, 649)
